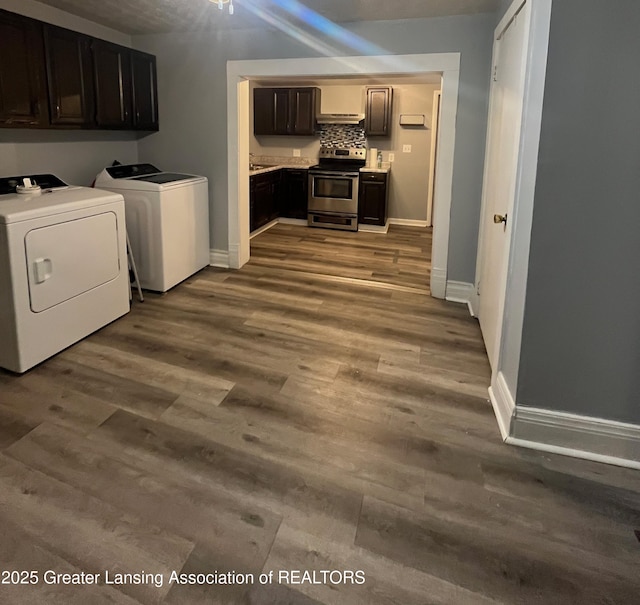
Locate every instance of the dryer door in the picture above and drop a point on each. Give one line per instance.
(67, 259)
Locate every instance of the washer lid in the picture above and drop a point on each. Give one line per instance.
(15, 207)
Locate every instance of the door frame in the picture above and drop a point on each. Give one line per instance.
(435, 136)
(504, 376)
(240, 72)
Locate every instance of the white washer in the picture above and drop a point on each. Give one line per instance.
(167, 220)
(63, 267)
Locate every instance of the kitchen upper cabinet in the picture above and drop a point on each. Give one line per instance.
(285, 111)
(70, 77)
(23, 88)
(294, 193)
(114, 93)
(372, 198)
(145, 91)
(377, 122)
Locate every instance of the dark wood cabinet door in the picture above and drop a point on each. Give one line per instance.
(263, 111)
(70, 77)
(303, 111)
(112, 70)
(378, 111)
(294, 195)
(23, 91)
(263, 201)
(281, 111)
(145, 91)
(372, 199)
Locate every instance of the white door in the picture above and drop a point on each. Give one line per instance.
(501, 164)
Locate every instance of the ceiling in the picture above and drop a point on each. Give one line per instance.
(158, 16)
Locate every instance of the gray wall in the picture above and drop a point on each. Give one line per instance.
(192, 90)
(74, 156)
(581, 337)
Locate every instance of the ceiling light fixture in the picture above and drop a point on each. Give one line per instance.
(221, 4)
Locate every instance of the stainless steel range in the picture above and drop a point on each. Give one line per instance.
(333, 188)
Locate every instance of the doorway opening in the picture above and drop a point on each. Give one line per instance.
(239, 74)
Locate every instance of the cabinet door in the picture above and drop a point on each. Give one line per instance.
(378, 111)
(303, 111)
(262, 201)
(112, 69)
(294, 198)
(372, 199)
(281, 111)
(145, 91)
(23, 92)
(70, 77)
(263, 111)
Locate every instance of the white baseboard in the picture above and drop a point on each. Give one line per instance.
(503, 403)
(438, 284)
(407, 222)
(264, 228)
(219, 258)
(374, 228)
(578, 436)
(462, 292)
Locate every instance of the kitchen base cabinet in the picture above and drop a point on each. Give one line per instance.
(294, 193)
(372, 198)
(264, 198)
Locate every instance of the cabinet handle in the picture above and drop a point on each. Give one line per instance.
(57, 110)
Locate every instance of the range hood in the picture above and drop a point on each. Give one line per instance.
(340, 118)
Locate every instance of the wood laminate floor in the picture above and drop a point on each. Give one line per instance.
(316, 410)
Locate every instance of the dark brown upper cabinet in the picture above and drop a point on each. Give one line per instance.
(145, 91)
(377, 122)
(23, 88)
(285, 111)
(114, 92)
(70, 77)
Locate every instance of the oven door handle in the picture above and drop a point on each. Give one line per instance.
(333, 173)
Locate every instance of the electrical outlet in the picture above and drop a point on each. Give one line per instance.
(392, 157)
(406, 149)
(296, 153)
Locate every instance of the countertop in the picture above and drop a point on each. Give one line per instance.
(383, 170)
(386, 168)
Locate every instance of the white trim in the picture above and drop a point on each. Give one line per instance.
(578, 436)
(264, 228)
(504, 405)
(374, 228)
(462, 292)
(438, 283)
(238, 74)
(407, 222)
(435, 124)
(219, 258)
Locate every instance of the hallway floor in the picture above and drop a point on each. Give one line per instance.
(315, 410)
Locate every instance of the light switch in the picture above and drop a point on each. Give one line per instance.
(406, 149)
(392, 157)
(296, 153)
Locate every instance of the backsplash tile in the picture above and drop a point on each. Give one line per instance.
(342, 135)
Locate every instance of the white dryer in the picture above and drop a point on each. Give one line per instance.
(167, 220)
(63, 266)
